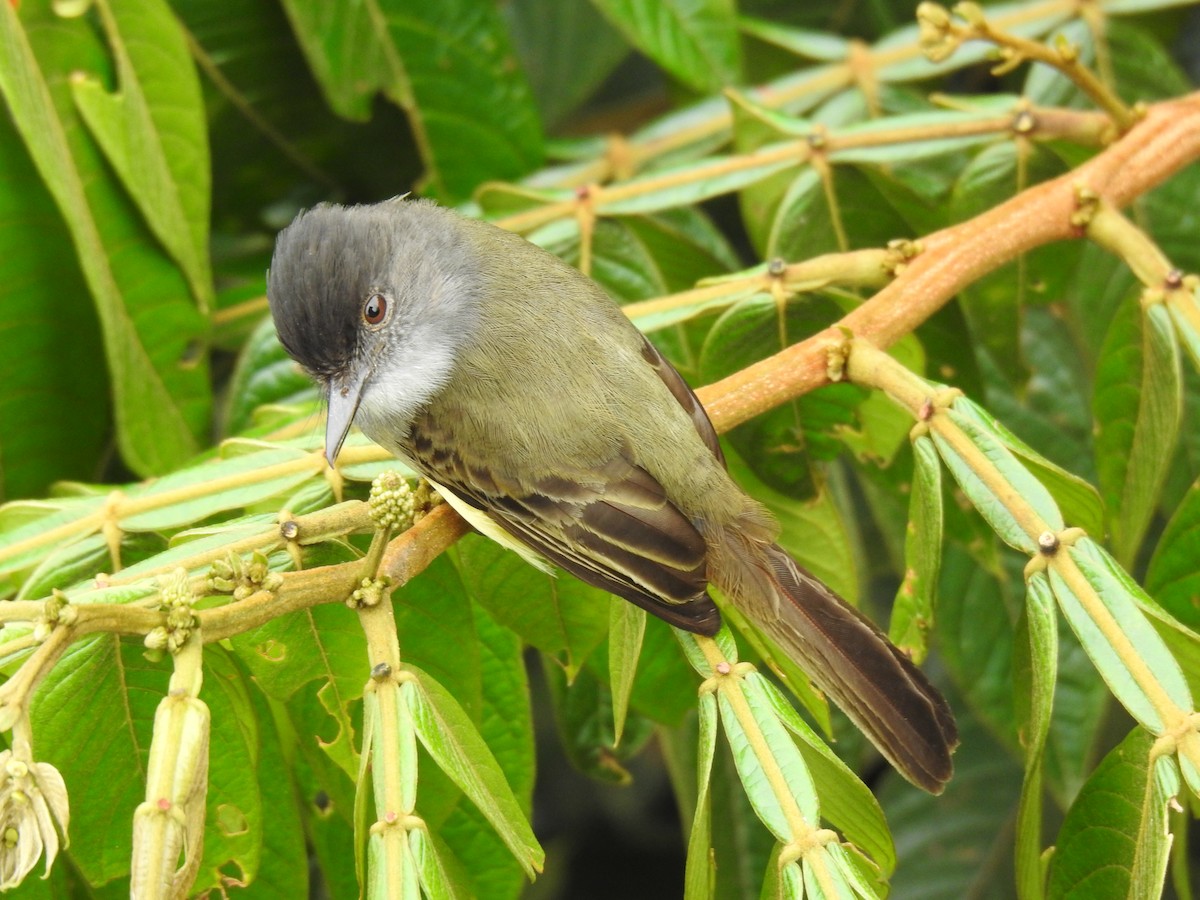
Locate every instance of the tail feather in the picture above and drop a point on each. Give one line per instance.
(876, 685)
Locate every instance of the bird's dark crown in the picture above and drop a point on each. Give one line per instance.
(326, 263)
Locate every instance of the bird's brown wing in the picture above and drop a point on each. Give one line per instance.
(613, 527)
(685, 397)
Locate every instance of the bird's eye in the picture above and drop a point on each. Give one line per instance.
(375, 309)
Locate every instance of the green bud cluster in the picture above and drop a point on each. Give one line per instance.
(234, 575)
(57, 610)
(176, 601)
(392, 501)
(370, 592)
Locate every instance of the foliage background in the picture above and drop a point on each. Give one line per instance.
(132, 315)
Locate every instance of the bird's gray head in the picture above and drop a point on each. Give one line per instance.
(374, 302)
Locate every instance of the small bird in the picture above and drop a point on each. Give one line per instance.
(521, 391)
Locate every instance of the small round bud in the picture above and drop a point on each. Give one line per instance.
(1048, 543)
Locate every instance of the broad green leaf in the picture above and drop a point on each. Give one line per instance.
(977, 612)
(1114, 842)
(193, 494)
(804, 42)
(284, 867)
(507, 726)
(626, 628)
(694, 40)
(42, 438)
(1173, 577)
(664, 688)
(561, 615)
(995, 303)
(238, 821)
(439, 881)
(1037, 670)
(958, 844)
(78, 564)
(991, 477)
(447, 65)
(93, 717)
(452, 740)
(567, 50)
(913, 611)
(755, 126)
(152, 331)
(1122, 644)
(1079, 501)
(694, 182)
(765, 735)
(264, 374)
(1137, 405)
(846, 803)
(584, 714)
(152, 130)
(19, 519)
(323, 647)
(890, 152)
(698, 877)
(435, 625)
(782, 444)
(1185, 316)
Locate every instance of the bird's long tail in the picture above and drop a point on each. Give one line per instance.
(848, 658)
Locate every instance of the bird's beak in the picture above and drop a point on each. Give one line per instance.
(344, 394)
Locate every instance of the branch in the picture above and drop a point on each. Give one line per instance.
(1157, 147)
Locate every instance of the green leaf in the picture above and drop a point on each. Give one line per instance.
(1079, 501)
(977, 458)
(959, 844)
(1114, 842)
(150, 326)
(1037, 669)
(1137, 405)
(447, 65)
(560, 616)
(439, 880)
(977, 612)
(325, 647)
(815, 45)
(913, 611)
(1173, 577)
(626, 628)
(782, 444)
(995, 303)
(698, 876)
(693, 182)
(694, 40)
(152, 131)
(583, 712)
(767, 737)
(217, 486)
(567, 50)
(507, 726)
(93, 718)
(450, 737)
(664, 688)
(236, 824)
(1122, 644)
(43, 438)
(846, 803)
(284, 867)
(264, 374)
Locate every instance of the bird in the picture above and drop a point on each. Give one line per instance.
(520, 390)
